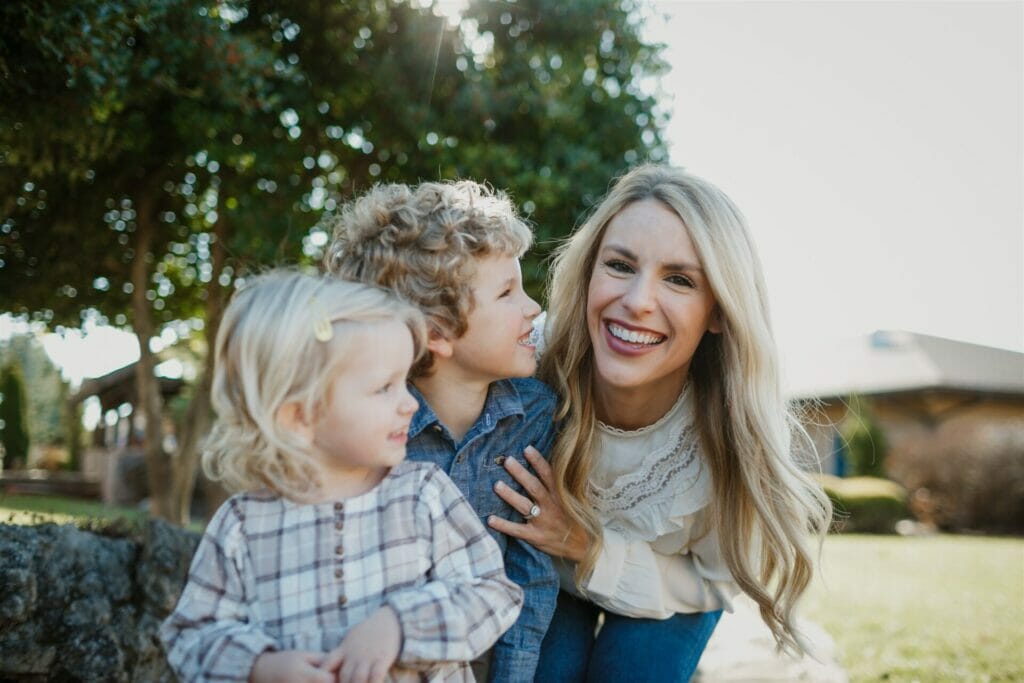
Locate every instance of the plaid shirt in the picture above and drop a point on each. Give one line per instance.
(517, 413)
(270, 574)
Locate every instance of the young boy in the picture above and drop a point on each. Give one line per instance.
(453, 250)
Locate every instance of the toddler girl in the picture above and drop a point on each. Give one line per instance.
(338, 560)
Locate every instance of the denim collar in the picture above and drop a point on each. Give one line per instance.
(502, 401)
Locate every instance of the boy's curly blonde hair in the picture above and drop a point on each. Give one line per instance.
(424, 243)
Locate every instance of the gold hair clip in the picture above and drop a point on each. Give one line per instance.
(322, 329)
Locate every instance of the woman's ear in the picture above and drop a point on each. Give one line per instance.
(715, 321)
(292, 417)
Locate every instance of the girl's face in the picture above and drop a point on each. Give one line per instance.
(364, 423)
(648, 306)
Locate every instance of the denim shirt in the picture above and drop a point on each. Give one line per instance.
(517, 413)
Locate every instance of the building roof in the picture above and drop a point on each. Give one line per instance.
(894, 362)
(118, 387)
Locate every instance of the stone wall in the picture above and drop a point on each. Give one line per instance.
(80, 605)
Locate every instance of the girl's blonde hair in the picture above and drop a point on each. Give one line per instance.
(764, 502)
(283, 339)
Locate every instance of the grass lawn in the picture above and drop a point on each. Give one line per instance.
(29, 509)
(928, 609)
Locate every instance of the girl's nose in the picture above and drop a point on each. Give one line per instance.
(409, 404)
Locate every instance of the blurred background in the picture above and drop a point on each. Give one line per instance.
(154, 153)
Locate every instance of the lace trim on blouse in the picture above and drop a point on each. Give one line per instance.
(664, 478)
(665, 475)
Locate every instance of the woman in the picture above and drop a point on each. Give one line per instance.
(673, 484)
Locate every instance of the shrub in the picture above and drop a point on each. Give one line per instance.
(967, 473)
(865, 442)
(866, 504)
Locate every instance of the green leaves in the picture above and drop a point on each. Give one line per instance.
(251, 119)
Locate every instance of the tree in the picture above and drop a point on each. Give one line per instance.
(173, 146)
(12, 413)
(46, 403)
(112, 105)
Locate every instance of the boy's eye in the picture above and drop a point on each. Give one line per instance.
(505, 293)
(385, 389)
(618, 266)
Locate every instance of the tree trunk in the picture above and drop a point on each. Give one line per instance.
(198, 416)
(150, 400)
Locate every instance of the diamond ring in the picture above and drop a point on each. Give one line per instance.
(534, 512)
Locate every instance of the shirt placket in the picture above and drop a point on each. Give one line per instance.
(339, 553)
(464, 469)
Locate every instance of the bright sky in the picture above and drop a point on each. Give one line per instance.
(875, 147)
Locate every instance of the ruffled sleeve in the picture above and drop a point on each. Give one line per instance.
(633, 579)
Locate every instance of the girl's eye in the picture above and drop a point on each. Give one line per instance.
(384, 389)
(505, 293)
(680, 280)
(618, 266)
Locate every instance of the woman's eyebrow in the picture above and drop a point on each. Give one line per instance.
(627, 254)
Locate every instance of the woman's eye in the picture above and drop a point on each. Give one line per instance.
(618, 266)
(680, 280)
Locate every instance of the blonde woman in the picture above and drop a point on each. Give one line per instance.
(338, 560)
(673, 484)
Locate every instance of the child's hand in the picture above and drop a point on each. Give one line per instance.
(289, 665)
(368, 650)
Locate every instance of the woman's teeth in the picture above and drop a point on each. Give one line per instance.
(634, 337)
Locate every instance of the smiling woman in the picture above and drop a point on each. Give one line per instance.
(646, 315)
(672, 485)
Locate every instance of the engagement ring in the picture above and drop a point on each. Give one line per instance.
(534, 512)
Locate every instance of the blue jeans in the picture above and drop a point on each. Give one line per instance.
(624, 649)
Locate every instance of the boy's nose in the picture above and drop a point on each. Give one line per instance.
(532, 308)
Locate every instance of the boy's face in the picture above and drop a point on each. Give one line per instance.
(496, 344)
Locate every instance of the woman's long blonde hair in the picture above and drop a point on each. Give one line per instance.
(765, 507)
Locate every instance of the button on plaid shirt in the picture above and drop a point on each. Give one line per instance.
(270, 574)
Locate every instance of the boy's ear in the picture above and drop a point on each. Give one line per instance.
(291, 417)
(438, 343)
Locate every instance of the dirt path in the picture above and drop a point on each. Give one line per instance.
(742, 651)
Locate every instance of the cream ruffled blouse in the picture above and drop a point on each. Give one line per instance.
(651, 488)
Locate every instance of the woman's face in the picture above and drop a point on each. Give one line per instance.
(648, 304)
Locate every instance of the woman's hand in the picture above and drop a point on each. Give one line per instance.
(552, 530)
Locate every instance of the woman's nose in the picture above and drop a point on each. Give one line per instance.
(639, 298)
